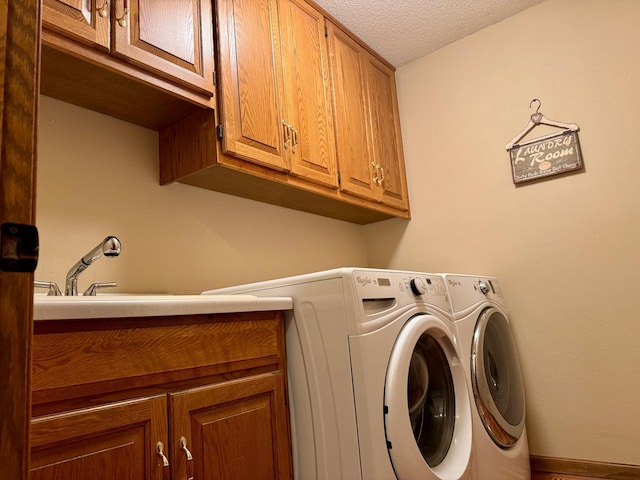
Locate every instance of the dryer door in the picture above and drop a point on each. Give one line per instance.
(427, 411)
(496, 380)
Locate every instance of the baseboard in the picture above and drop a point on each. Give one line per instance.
(613, 471)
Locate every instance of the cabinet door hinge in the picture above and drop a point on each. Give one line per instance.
(215, 79)
(19, 247)
(326, 31)
(339, 179)
(219, 132)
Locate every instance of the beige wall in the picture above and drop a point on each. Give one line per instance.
(568, 249)
(98, 176)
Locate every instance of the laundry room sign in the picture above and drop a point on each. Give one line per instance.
(545, 156)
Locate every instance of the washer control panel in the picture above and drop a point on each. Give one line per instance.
(466, 291)
(403, 287)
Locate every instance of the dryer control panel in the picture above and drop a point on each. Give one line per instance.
(405, 288)
(467, 291)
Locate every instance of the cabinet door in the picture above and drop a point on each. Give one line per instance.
(102, 443)
(251, 82)
(349, 82)
(306, 72)
(386, 136)
(235, 430)
(172, 38)
(86, 21)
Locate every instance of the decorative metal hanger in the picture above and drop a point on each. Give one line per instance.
(539, 119)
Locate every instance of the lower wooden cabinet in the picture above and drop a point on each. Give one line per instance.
(113, 441)
(162, 398)
(229, 428)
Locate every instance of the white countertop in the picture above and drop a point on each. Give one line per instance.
(115, 305)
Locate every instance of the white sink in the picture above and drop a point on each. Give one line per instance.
(112, 305)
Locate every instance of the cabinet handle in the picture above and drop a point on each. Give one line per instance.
(379, 178)
(287, 133)
(102, 11)
(295, 139)
(375, 179)
(160, 451)
(122, 21)
(183, 447)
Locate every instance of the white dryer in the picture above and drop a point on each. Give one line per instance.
(501, 450)
(376, 382)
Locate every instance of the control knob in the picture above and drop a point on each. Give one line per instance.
(418, 286)
(483, 287)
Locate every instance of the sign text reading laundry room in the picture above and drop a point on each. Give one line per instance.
(546, 156)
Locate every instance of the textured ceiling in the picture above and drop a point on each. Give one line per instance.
(403, 30)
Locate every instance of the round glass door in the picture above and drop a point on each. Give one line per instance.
(427, 411)
(496, 378)
(431, 400)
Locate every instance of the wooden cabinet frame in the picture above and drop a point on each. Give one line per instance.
(19, 56)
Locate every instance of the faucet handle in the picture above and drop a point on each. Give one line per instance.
(93, 288)
(54, 291)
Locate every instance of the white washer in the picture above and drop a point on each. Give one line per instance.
(376, 383)
(501, 450)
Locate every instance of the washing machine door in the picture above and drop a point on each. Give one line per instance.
(427, 408)
(495, 376)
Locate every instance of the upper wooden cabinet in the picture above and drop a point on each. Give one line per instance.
(150, 62)
(171, 38)
(308, 91)
(275, 107)
(368, 138)
(307, 117)
(251, 84)
(87, 21)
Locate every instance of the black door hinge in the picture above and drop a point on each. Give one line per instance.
(19, 245)
(326, 31)
(219, 132)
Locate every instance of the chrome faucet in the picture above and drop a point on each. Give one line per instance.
(109, 247)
